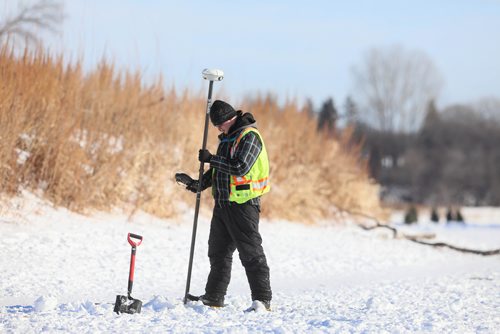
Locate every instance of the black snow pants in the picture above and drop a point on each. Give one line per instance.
(236, 226)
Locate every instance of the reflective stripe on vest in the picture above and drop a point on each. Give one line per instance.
(256, 182)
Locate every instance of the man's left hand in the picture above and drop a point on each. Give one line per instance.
(204, 156)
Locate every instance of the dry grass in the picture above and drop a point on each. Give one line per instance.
(104, 139)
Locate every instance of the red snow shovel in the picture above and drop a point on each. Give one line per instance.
(127, 304)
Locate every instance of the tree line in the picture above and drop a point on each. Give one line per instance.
(417, 152)
(451, 159)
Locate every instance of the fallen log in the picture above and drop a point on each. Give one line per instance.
(417, 238)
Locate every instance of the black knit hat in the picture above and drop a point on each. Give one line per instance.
(220, 112)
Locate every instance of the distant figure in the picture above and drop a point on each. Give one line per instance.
(459, 217)
(411, 215)
(449, 215)
(434, 215)
(454, 216)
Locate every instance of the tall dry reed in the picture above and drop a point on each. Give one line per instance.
(104, 138)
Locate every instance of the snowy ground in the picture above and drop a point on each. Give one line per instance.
(60, 272)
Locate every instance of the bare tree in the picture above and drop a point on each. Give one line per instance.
(489, 107)
(395, 86)
(351, 111)
(30, 20)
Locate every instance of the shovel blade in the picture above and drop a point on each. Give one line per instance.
(125, 305)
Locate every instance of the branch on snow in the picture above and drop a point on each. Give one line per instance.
(417, 239)
(460, 249)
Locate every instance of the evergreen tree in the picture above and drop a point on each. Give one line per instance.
(431, 116)
(429, 154)
(327, 117)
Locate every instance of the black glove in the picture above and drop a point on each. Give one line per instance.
(193, 186)
(183, 178)
(204, 156)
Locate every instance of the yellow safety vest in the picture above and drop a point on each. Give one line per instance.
(256, 182)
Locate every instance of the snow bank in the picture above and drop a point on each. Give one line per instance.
(45, 303)
(62, 271)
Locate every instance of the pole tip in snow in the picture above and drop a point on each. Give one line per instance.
(213, 74)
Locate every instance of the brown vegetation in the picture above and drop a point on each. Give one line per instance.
(103, 139)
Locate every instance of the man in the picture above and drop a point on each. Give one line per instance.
(238, 176)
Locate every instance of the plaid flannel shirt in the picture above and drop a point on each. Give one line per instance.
(225, 166)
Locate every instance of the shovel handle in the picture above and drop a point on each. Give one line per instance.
(132, 242)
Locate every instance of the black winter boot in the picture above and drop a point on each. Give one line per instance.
(208, 300)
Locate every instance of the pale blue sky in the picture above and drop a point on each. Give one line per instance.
(291, 48)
